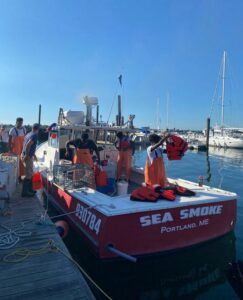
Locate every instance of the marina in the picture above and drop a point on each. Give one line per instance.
(121, 150)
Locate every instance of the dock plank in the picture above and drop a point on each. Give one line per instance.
(50, 275)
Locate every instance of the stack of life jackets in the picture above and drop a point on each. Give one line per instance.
(154, 193)
(151, 194)
(175, 147)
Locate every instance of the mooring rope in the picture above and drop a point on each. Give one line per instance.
(21, 254)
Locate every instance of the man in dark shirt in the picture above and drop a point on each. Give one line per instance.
(84, 149)
(28, 156)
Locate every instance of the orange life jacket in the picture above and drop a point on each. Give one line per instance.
(182, 191)
(175, 147)
(176, 189)
(167, 193)
(144, 194)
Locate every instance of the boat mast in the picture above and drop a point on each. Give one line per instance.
(158, 117)
(223, 91)
(167, 110)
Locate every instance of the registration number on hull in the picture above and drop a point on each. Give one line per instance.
(88, 218)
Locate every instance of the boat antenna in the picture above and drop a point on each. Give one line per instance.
(223, 91)
(119, 83)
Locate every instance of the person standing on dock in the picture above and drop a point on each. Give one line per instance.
(28, 156)
(4, 138)
(84, 149)
(154, 171)
(16, 142)
(126, 149)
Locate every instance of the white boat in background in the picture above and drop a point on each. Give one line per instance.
(228, 153)
(140, 138)
(226, 140)
(224, 136)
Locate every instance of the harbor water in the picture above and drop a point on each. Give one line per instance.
(195, 273)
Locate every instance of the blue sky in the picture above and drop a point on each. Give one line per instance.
(54, 52)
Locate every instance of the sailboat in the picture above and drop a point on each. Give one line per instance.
(223, 136)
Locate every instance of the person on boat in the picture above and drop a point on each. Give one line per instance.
(4, 138)
(28, 156)
(16, 142)
(154, 171)
(84, 149)
(125, 146)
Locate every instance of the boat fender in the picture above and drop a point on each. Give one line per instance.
(62, 228)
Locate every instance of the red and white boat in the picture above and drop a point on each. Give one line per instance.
(114, 225)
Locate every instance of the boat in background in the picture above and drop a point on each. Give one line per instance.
(222, 136)
(140, 138)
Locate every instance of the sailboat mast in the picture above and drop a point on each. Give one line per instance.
(157, 117)
(223, 91)
(167, 110)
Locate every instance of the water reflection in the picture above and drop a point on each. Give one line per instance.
(208, 167)
(236, 154)
(182, 275)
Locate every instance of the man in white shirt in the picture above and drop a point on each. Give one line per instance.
(4, 137)
(16, 142)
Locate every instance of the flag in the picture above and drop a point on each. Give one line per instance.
(120, 79)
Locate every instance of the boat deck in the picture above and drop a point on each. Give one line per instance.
(123, 205)
(48, 275)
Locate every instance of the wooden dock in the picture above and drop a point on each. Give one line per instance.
(49, 275)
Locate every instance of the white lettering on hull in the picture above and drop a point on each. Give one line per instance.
(88, 218)
(178, 228)
(184, 214)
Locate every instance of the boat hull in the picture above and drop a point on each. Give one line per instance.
(145, 232)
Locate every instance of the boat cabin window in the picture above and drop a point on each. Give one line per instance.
(65, 136)
(78, 133)
(105, 136)
(53, 139)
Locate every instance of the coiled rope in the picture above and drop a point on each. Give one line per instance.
(11, 237)
(21, 254)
